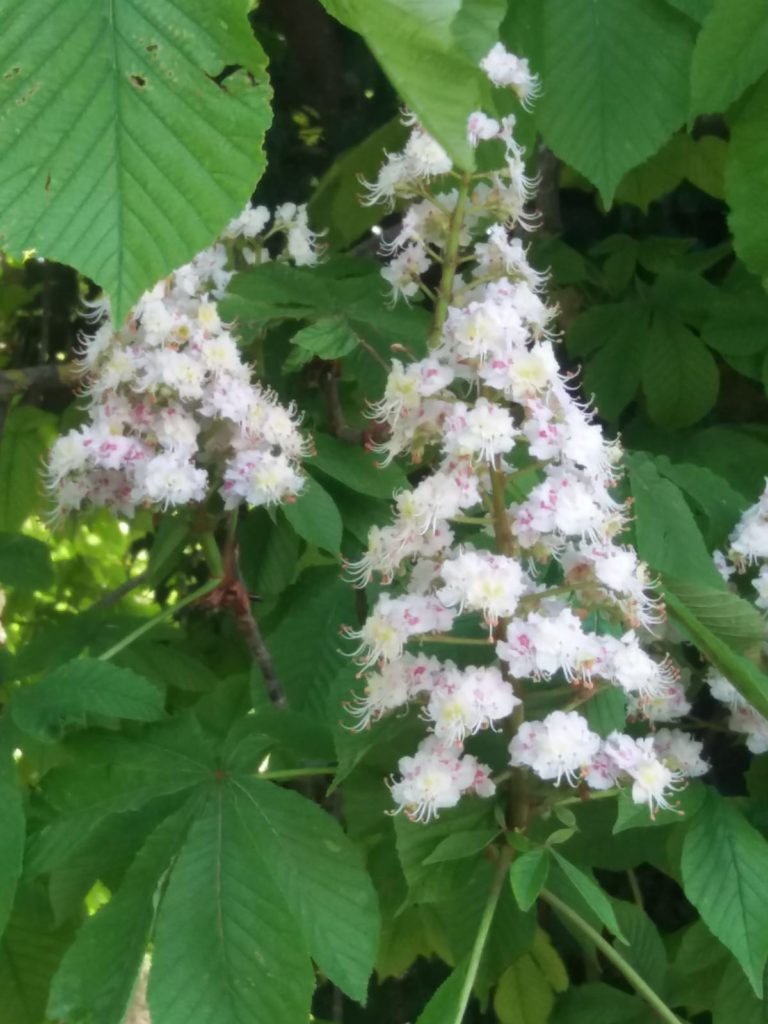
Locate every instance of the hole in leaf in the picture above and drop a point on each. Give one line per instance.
(138, 80)
(152, 48)
(11, 73)
(48, 182)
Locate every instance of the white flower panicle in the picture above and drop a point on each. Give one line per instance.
(514, 529)
(173, 411)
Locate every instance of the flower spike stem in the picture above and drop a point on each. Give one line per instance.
(166, 613)
(450, 261)
(644, 990)
(484, 928)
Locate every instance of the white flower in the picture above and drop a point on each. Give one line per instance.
(169, 481)
(480, 128)
(393, 621)
(483, 582)
(556, 748)
(259, 478)
(464, 701)
(436, 777)
(505, 69)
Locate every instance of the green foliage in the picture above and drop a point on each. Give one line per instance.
(159, 802)
(593, 60)
(88, 687)
(725, 874)
(731, 54)
(114, 124)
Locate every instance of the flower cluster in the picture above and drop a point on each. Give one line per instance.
(748, 547)
(173, 412)
(514, 532)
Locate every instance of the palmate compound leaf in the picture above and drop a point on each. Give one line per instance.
(120, 152)
(259, 880)
(725, 876)
(265, 880)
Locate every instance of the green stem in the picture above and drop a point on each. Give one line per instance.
(450, 262)
(297, 773)
(505, 858)
(166, 613)
(642, 988)
(212, 553)
(600, 794)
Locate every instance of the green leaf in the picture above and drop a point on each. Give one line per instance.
(416, 842)
(735, 1000)
(606, 711)
(315, 517)
(306, 649)
(731, 54)
(613, 374)
(589, 892)
(680, 376)
(275, 291)
(27, 434)
(335, 205)
(696, 9)
(328, 338)
(600, 110)
(98, 972)
(644, 950)
(732, 619)
(121, 152)
(13, 828)
(596, 1001)
(70, 694)
(430, 51)
(226, 949)
(751, 683)
(461, 845)
(269, 550)
(321, 877)
(444, 1004)
(654, 178)
(707, 492)
(746, 180)
(30, 950)
(171, 537)
(666, 533)
(697, 968)
(524, 994)
(355, 468)
(725, 876)
(111, 776)
(528, 875)
(166, 665)
(25, 563)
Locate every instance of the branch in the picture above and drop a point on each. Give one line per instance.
(642, 988)
(51, 377)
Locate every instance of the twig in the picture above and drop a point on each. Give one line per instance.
(113, 596)
(338, 426)
(50, 377)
